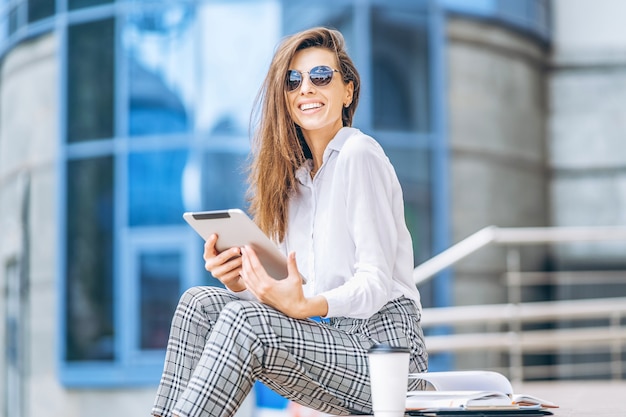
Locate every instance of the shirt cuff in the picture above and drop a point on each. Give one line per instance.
(243, 295)
(338, 307)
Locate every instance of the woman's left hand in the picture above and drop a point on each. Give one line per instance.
(285, 295)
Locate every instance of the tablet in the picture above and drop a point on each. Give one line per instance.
(234, 228)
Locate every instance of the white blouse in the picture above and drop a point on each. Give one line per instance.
(348, 230)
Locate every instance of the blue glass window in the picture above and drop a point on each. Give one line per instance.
(4, 26)
(90, 74)
(155, 188)
(224, 180)
(191, 69)
(14, 17)
(400, 69)
(90, 332)
(40, 9)
(161, 90)
(77, 4)
(160, 280)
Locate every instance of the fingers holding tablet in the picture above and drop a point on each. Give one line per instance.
(224, 266)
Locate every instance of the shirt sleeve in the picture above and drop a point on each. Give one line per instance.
(370, 183)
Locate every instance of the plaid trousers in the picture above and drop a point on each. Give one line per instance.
(220, 345)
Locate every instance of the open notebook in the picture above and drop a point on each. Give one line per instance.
(478, 391)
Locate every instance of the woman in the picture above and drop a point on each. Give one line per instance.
(328, 194)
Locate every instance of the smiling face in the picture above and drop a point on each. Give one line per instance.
(318, 110)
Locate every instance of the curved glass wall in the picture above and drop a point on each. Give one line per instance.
(156, 103)
(156, 100)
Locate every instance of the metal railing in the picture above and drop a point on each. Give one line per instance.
(506, 325)
(509, 235)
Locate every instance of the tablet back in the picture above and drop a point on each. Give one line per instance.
(235, 229)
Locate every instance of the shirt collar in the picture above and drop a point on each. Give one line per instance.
(303, 172)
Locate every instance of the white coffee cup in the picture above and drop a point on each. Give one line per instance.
(389, 374)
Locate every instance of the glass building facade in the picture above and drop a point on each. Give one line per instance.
(155, 104)
(157, 99)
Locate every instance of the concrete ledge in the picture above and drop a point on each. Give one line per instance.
(580, 398)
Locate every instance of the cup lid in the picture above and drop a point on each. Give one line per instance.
(385, 348)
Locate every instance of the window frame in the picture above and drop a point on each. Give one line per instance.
(136, 241)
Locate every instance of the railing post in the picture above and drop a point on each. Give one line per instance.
(513, 275)
(616, 347)
(514, 294)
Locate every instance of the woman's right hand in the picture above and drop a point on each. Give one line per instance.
(225, 266)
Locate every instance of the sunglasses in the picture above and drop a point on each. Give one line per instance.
(320, 76)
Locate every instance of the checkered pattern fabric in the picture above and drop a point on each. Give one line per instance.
(220, 345)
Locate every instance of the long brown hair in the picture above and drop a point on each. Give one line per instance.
(278, 148)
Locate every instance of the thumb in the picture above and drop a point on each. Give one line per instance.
(292, 265)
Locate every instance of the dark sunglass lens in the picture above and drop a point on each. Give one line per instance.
(293, 80)
(321, 75)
